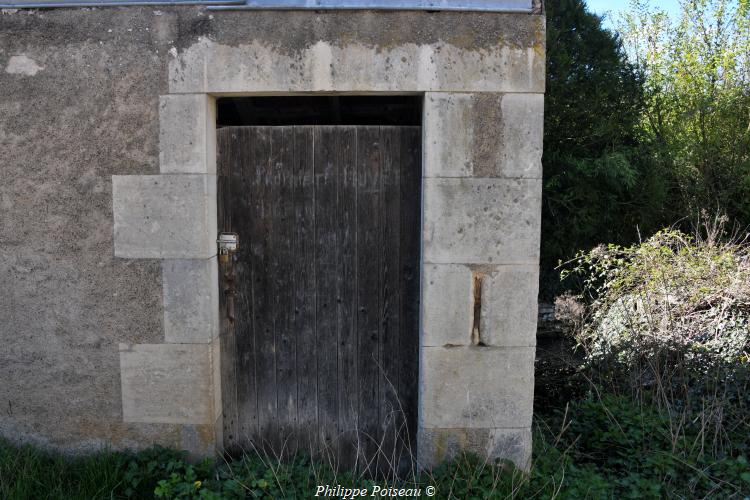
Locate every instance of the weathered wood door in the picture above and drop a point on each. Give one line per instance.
(323, 355)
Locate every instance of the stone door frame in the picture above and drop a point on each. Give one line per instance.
(481, 206)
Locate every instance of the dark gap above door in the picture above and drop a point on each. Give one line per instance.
(320, 110)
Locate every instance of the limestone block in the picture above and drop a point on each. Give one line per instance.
(191, 300)
(164, 216)
(436, 446)
(187, 134)
(523, 131)
(447, 305)
(483, 135)
(211, 67)
(476, 387)
(509, 305)
(166, 383)
(449, 135)
(482, 221)
(507, 311)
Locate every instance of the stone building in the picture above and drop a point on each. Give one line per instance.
(380, 163)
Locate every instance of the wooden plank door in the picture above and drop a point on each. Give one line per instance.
(322, 358)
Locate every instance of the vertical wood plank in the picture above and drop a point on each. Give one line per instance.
(241, 180)
(304, 290)
(390, 353)
(285, 338)
(226, 153)
(411, 231)
(369, 252)
(346, 206)
(264, 264)
(327, 258)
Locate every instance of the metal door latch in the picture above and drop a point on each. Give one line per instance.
(228, 245)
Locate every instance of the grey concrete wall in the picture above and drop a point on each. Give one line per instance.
(83, 321)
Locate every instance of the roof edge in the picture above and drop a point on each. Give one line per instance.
(501, 6)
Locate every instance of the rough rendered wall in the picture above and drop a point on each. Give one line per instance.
(79, 97)
(80, 102)
(77, 104)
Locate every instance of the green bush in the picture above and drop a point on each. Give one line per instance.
(666, 338)
(670, 324)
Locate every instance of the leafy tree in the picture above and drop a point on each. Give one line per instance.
(601, 181)
(697, 97)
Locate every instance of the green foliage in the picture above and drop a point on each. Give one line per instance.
(601, 180)
(697, 82)
(144, 471)
(636, 449)
(608, 447)
(669, 325)
(27, 472)
(673, 298)
(643, 127)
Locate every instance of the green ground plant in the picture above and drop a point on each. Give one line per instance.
(599, 447)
